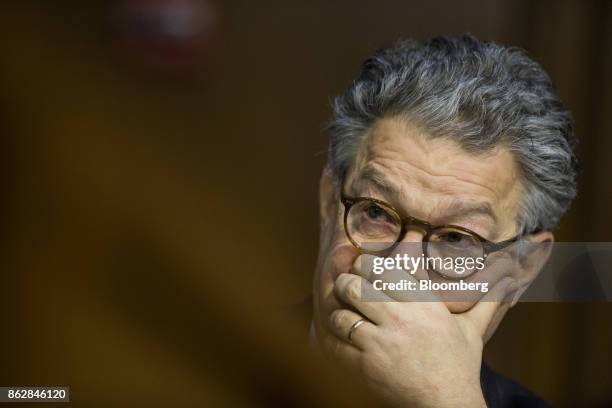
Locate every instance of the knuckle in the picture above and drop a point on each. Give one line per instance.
(352, 289)
(338, 319)
(343, 279)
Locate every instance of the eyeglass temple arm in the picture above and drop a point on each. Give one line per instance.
(497, 246)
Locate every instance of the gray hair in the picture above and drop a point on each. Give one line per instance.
(481, 95)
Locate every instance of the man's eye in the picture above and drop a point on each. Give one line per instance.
(454, 237)
(375, 212)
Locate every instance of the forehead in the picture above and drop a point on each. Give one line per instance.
(431, 176)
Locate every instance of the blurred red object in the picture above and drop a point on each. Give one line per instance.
(170, 35)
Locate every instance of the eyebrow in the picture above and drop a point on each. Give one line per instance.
(382, 183)
(460, 209)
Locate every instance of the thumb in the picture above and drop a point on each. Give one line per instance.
(481, 314)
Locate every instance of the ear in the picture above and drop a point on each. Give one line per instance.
(539, 247)
(327, 197)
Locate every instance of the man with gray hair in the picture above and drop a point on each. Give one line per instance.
(454, 144)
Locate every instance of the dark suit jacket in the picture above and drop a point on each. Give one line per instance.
(499, 391)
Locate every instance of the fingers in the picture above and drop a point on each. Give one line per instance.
(341, 323)
(482, 313)
(362, 266)
(378, 308)
(390, 280)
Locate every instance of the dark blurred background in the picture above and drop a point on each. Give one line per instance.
(161, 162)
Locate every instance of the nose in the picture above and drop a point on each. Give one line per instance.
(414, 234)
(412, 245)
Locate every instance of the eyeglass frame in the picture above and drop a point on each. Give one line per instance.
(488, 247)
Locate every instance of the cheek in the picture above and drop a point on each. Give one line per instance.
(331, 233)
(462, 301)
(336, 251)
(340, 260)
